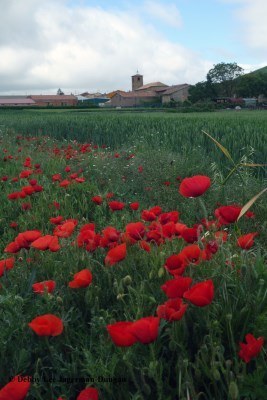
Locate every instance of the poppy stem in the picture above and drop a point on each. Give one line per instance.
(155, 366)
(48, 346)
(203, 207)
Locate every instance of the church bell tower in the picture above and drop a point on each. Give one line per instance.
(137, 81)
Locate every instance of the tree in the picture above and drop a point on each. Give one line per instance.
(225, 75)
(252, 85)
(202, 91)
(59, 92)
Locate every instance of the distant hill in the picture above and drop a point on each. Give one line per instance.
(262, 70)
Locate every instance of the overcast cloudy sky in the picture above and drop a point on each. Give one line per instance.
(96, 45)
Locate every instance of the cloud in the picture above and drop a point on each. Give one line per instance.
(46, 45)
(169, 14)
(251, 15)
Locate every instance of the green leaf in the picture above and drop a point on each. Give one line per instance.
(247, 206)
(252, 165)
(221, 147)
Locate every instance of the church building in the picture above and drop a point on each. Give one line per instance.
(154, 93)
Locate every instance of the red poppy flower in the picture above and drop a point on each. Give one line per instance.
(221, 236)
(172, 310)
(176, 287)
(97, 200)
(17, 389)
(175, 265)
(28, 190)
(210, 248)
(116, 205)
(179, 228)
(201, 294)
(250, 349)
(227, 214)
(134, 206)
(56, 220)
(157, 210)
(144, 245)
(38, 188)
(33, 182)
(26, 206)
(47, 242)
(25, 174)
(154, 236)
(110, 234)
(65, 230)
(116, 254)
(136, 230)
(16, 195)
(190, 235)
(145, 329)
(56, 205)
(121, 334)
(171, 216)
(88, 394)
(246, 241)
(45, 286)
(64, 183)
(28, 236)
(12, 247)
(80, 180)
(88, 238)
(194, 186)
(6, 265)
(250, 214)
(13, 225)
(56, 178)
(147, 215)
(168, 230)
(191, 254)
(81, 279)
(47, 325)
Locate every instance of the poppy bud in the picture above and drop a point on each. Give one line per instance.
(216, 374)
(233, 391)
(153, 366)
(161, 272)
(59, 300)
(127, 280)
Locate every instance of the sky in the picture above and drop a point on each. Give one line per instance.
(97, 45)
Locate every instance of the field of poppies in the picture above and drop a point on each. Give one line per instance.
(133, 256)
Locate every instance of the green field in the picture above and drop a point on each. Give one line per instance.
(240, 132)
(133, 157)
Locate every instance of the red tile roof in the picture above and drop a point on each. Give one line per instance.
(52, 97)
(152, 84)
(175, 88)
(14, 101)
(135, 94)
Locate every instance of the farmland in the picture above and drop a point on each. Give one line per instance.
(98, 204)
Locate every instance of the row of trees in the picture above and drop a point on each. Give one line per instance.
(228, 80)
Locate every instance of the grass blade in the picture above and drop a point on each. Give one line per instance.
(247, 206)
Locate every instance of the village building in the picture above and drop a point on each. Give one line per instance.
(16, 101)
(54, 100)
(154, 93)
